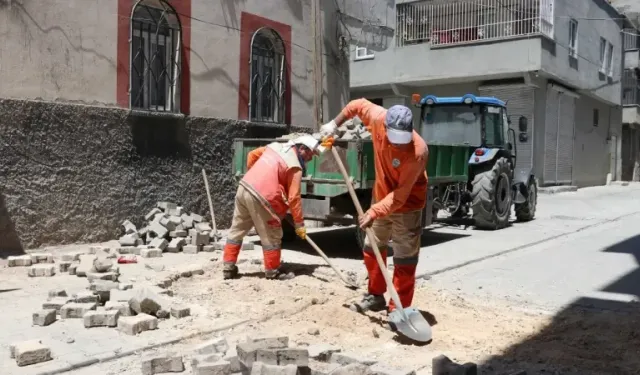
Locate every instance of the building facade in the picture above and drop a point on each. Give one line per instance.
(557, 62)
(248, 60)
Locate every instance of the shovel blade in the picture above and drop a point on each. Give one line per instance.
(415, 326)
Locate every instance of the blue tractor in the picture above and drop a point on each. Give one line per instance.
(475, 133)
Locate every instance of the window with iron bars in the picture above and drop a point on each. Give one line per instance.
(155, 57)
(630, 87)
(268, 68)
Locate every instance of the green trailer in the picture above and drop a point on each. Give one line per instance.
(325, 197)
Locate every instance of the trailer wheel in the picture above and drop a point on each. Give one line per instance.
(491, 196)
(527, 211)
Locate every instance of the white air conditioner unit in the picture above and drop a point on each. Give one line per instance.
(362, 53)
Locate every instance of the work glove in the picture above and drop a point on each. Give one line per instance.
(329, 129)
(302, 232)
(327, 142)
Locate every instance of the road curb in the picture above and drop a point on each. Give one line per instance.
(522, 247)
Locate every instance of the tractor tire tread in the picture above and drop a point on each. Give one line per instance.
(483, 191)
(525, 213)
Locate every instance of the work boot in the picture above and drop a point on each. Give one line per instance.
(230, 271)
(370, 302)
(278, 275)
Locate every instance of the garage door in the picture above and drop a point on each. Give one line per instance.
(558, 137)
(520, 102)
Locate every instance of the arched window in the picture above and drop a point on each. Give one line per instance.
(155, 57)
(268, 68)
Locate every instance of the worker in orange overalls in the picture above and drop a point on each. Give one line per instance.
(399, 196)
(267, 191)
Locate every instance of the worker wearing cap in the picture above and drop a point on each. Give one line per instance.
(269, 189)
(399, 196)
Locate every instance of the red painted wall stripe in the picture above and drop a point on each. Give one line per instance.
(183, 8)
(249, 23)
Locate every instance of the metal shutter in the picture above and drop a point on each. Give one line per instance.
(520, 102)
(566, 126)
(549, 174)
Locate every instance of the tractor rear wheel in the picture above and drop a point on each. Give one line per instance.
(526, 211)
(491, 196)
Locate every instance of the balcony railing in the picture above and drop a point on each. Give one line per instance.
(631, 39)
(441, 22)
(630, 88)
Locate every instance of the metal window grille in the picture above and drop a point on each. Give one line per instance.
(630, 87)
(442, 22)
(631, 39)
(155, 57)
(268, 68)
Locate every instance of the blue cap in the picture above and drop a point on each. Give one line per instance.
(399, 122)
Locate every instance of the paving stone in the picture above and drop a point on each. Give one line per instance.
(196, 218)
(218, 345)
(19, 261)
(170, 225)
(270, 342)
(165, 205)
(128, 250)
(125, 286)
(106, 318)
(322, 352)
(142, 232)
(59, 292)
(100, 286)
(151, 253)
(293, 356)
(190, 249)
(112, 276)
(85, 297)
(220, 367)
(267, 356)
(178, 233)
(176, 245)
(379, 369)
(159, 243)
(232, 357)
(352, 369)
(56, 303)
(12, 346)
(152, 213)
(200, 358)
(202, 227)
(101, 264)
(157, 230)
(162, 363)
(97, 249)
(129, 227)
(145, 300)
(187, 221)
(86, 265)
(163, 314)
(165, 283)
(121, 295)
(74, 310)
(121, 306)
(42, 270)
(31, 352)
(200, 238)
(64, 266)
(180, 311)
(73, 268)
(129, 239)
(190, 270)
(259, 368)
(349, 358)
(248, 246)
(44, 317)
(133, 325)
(41, 258)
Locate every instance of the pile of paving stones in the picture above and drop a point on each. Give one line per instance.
(105, 303)
(350, 130)
(169, 228)
(266, 356)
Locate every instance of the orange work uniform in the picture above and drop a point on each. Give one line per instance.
(399, 196)
(269, 189)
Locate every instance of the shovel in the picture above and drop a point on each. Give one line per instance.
(407, 321)
(348, 283)
(213, 217)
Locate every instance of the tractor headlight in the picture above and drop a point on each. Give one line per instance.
(429, 101)
(468, 101)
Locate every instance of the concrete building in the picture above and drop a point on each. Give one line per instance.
(248, 60)
(557, 62)
(630, 90)
(109, 106)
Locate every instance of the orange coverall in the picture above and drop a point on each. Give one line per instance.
(399, 195)
(254, 210)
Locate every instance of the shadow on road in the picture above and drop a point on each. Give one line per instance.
(591, 336)
(342, 243)
(9, 240)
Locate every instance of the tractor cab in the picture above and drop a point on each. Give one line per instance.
(480, 125)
